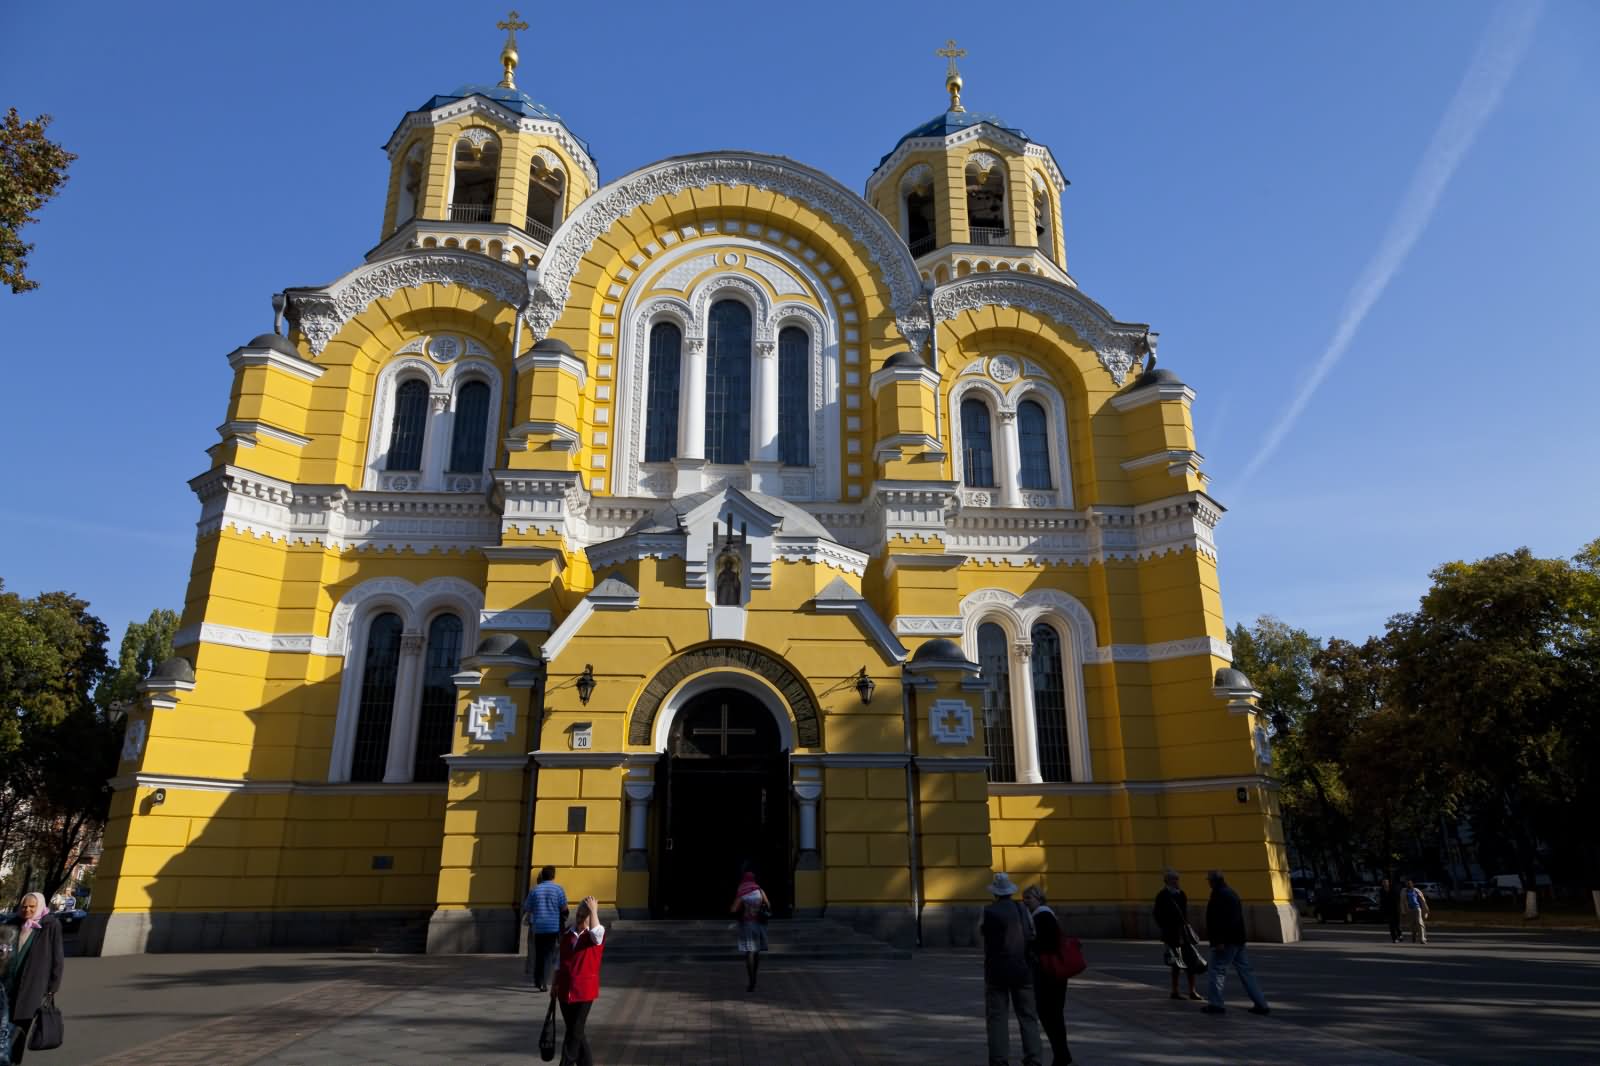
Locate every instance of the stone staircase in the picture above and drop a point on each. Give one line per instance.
(716, 940)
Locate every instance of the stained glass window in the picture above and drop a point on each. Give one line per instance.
(661, 407)
(977, 448)
(728, 383)
(794, 408)
(436, 715)
(375, 713)
(471, 429)
(1033, 439)
(410, 425)
(1050, 705)
(994, 656)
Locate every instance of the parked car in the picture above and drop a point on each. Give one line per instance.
(1348, 907)
(1469, 891)
(1431, 891)
(1504, 885)
(70, 920)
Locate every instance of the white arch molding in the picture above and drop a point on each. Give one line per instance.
(444, 388)
(749, 684)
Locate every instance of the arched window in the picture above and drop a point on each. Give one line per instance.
(661, 405)
(728, 383)
(919, 219)
(1041, 223)
(410, 186)
(477, 164)
(375, 715)
(986, 199)
(1050, 705)
(547, 187)
(471, 428)
(794, 400)
(994, 657)
(1033, 441)
(410, 426)
(436, 716)
(977, 445)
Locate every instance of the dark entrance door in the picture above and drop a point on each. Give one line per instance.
(727, 804)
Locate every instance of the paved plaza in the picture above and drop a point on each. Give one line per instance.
(1344, 996)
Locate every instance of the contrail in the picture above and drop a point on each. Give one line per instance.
(1504, 41)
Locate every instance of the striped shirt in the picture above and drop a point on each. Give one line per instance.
(544, 906)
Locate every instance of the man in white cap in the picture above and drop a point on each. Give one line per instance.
(1007, 980)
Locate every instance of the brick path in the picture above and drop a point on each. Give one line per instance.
(923, 1012)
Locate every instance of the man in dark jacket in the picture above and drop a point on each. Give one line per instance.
(1389, 908)
(1225, 927)
(1007, 978)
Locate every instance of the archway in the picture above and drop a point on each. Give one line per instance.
(724, 780)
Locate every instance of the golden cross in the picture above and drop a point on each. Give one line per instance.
(508, 54)
(949, 51)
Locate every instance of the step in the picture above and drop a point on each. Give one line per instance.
(695, 940)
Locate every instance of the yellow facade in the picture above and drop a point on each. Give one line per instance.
(649, 527)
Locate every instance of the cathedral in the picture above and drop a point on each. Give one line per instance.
(714, 515)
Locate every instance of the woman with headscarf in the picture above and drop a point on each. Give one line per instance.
(1051, 994)
(752, 907)
(32, 971)
(1171, 913)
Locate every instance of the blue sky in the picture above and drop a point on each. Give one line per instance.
(1236, 169)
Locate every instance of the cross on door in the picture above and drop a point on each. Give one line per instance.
(723, 732)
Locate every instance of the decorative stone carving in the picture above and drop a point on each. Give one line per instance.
(1003, 368)
(477, 136)
(133, 740)
(950, 721)
(491, 718)
(1117, 344)
(807, 721)
(444, 349)
(983, 161)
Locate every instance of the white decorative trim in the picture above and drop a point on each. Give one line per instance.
(241, 358)
(1157, 393)
(481, 106)
(561, 361)
(1178, 461)
(1119, 345)
(491, 719)
(472, 762)
(245, 431)
(907, 625)
(977, 132)
(888, 644)
(518, 620)
(562, 438)
(222, 784)
(1141, 788)
(251, 639)
(320, 314)
(414, 603)
(749, 684)
(913, 375)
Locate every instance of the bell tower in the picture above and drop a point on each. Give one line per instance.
(970, 193)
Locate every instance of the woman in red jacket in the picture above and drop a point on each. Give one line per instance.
(577, 983)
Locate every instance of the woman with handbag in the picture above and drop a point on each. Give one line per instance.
(32, 972)
(1172, 917)
(1050, 987)
(577, 983)
(753, 908)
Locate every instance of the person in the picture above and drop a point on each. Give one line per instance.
(32, 973)
(1051, 993)
(1172, 918)
(546, 910)
(750, 903)
(1225, 927)
(577, 983)
(1007, 930)
(1417, 912)
(1389, 908)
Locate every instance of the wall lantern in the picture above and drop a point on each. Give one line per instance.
(865, 685)
(1242, 794)
(158, 797)
(586, 683)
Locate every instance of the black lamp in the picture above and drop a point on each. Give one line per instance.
(586, 683)
(865, 685)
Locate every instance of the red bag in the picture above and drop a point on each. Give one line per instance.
(1065, 963)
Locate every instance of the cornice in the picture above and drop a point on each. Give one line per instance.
(978, 131)
(241, 358)
(914, 375)
(1119, 345)
(1161, 392)
(246, 430)
(220, 784)
(503, 117)
(560, 361)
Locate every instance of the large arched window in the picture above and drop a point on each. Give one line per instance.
(410, 191)
(794, 396)
(409, 427)
(728, 383)
(977, 444)
(986, 199)
(994, 657)
(436, 715)
(1033, 441)
(1050, 705)
(547, 187)
(920, 232)
(661, 406)
(477, 164)
(375, 717)
(471, 428)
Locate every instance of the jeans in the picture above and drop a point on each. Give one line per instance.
(1223, 956)
(575, 1048)
(1419, 928)
(542, 955)
(996, 998)
(1052, 996)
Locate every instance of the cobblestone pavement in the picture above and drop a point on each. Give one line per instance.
(478, 1011)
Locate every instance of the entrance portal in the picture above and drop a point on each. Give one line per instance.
(726, 781)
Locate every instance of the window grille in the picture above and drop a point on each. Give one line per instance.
(437, 713)
(1050, 705)
(375, 714)
(1033, 437)
(977, 448)
(470, 430)
(661, 410)
(994, 657)
(410, 425)
(728, 384)
(794, 407)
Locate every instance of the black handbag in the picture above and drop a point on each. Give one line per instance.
(547, 1036)
(48, 1030)
(1191, 954)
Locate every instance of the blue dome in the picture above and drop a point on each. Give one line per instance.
(954, 122)
(511, 99)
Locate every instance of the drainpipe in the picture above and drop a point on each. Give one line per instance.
(531, 776)
(511, 393)
(908, 714)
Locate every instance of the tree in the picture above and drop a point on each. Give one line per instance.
(145, 646)
(32, 170)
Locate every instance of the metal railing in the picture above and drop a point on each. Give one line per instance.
(539, 231)
(923, 245)
(471, 212)
(989, 235)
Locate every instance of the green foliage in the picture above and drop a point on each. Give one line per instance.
(144, 647)
(32, 170)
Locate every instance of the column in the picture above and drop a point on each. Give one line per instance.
(1006, 448)
(806, 794)
(1025, 721)
(436, 441)
(764, 420)
(403, 722)
(637, 855)
(691, 458)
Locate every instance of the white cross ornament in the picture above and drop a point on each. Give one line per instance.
(491, 718)
(950, 721)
